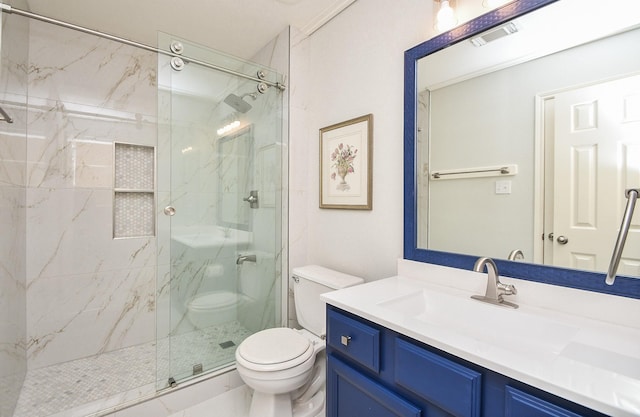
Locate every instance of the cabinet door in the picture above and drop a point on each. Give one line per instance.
(521, 404)
(352, 394)
(453, 387)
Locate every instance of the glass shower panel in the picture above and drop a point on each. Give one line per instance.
(218, 137)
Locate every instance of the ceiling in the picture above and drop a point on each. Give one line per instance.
(236, 27)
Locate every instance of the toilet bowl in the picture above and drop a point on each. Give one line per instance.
(212, 308)
(286, 367)
(278, 360)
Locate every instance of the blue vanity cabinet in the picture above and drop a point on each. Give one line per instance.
(373, 371)
(519, 403)
(351, 393)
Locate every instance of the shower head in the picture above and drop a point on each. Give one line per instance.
(238, 102)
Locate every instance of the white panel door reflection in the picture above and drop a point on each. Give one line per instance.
(596, 154)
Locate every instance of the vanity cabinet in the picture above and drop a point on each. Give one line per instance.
(375, 372)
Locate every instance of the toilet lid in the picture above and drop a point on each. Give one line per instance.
(276, 346)
(213, 299)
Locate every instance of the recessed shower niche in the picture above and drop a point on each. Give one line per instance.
(133, 200)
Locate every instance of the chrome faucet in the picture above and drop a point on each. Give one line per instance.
(495, 289)
(245, 258)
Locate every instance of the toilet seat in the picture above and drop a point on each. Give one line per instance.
(274, 349)
(213, 299)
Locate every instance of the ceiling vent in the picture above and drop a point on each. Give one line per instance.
(495, 33)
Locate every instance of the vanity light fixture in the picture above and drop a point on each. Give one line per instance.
(228, 128)
(446, 16)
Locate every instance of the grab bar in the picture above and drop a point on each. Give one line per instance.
(632, 196)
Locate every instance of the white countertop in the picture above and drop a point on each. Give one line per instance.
(587, 349)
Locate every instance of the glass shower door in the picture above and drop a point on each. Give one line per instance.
(219, 179)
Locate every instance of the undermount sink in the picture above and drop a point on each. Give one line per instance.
(505, 328)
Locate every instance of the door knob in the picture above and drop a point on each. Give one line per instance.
(169, 210)
(562, 240)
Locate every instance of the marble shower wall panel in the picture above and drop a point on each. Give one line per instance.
(194, 207)
(13, 142)
(194, 162)
(260, 285)
(92, 314)
(69, 232)
(106, 287)
(87, 293)
(271, 170)
(13, 358)
(73, 67)
(13, 97)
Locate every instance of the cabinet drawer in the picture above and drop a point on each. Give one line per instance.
(518, 403)
(351, 394)
(355, 339)
(449, 385)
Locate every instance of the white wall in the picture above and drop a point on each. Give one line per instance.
(352, 66)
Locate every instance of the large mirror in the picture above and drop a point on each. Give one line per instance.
(522, 131)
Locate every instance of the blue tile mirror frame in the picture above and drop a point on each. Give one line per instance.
(573, 278)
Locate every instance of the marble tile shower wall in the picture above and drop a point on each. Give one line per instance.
(13, 150)
(86, 292)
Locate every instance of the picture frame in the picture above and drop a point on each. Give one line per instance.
(346, 162)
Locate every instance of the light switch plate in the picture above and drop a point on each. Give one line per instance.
(503, 187)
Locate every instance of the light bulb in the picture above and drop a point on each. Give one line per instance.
(446, 17)
(228, 128)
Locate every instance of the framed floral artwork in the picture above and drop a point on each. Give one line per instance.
(346, 155)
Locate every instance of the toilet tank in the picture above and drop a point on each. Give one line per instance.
(308, 283)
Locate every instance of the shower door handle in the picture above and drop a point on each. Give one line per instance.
(169, 211)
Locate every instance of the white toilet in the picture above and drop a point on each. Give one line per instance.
(286, 367)
(212, 308)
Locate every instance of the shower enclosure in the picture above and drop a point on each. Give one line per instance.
(142, 235)
(219, 188)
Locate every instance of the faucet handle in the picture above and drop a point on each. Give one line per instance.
(507, 289)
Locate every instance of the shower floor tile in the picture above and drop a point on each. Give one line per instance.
(122, 373)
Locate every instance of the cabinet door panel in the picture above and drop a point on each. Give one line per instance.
(451, 386)
(521, 404)
(351, 394)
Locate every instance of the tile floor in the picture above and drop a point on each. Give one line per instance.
(51, 390)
